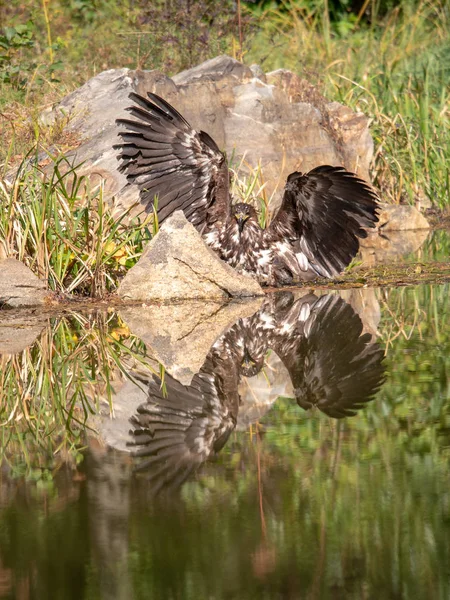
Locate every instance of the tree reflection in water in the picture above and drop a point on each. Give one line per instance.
(332, 365)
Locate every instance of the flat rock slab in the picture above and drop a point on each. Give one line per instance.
(19, 287)
(177, 265)
(179, 336)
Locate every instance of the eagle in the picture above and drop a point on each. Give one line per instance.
(315, 232)
(333, 365)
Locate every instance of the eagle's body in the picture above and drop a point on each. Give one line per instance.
(314, 233)
(251, 250)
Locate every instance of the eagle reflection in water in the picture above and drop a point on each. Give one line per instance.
(332, 364)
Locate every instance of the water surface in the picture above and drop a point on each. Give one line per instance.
(295, 503)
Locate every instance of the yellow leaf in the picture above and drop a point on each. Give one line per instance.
(110, 247)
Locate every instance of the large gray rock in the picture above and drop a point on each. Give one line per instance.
(19, 286)
(277, 120)
(177, 265)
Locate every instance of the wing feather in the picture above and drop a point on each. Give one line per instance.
(333, 365)
(167, 159)
(175, 433)
(324, 212)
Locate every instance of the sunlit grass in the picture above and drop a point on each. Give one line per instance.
(53, 221)
(396, 70)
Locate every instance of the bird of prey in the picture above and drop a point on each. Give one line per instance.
(314, 233)
(333, 366)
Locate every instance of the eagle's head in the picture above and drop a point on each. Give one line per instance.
(243, 212)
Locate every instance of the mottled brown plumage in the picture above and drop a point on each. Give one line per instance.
(314, 233)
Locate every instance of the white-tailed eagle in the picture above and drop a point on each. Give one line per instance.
(314, 233)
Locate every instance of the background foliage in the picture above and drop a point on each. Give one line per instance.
(388, 58)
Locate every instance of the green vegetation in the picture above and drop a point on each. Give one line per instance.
(395, 69)
(390, 60)
(65, 232)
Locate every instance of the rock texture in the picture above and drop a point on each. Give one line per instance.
(113, 429)
(179, 336)
(401, 217)
(276, 119)
(19, 286)
(402, 229)
(18, 331)
(177, 265)
(391, 245)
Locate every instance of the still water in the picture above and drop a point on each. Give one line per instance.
(294, 449)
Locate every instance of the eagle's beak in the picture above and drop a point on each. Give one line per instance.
(241, 218)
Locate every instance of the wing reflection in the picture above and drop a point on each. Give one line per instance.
(180, 426)
(332, 364)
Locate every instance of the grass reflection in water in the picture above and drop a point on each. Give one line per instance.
(48, 390)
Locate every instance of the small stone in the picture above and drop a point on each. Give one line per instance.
(391, 246)
(401, 217)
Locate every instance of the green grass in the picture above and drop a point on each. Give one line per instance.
(53, 221)
(396, 70)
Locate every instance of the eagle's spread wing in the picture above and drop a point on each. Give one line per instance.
(333, 365)
(322, 214)
(177, 430)
(165, 157)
